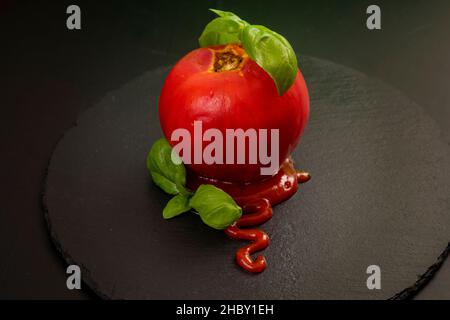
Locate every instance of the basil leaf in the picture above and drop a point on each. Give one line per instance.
(273, 53)
(216, 208)
(164, 183)
(221, 13)
(167, 175)
(223, 30)
(176, 206)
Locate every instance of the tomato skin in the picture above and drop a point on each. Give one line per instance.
(245, 98)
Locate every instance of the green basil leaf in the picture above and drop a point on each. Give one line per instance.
(176, 206)
(167, 175)
(216, 208)
(273, 53)
(223, 30)
(221, 13)
(164, 183)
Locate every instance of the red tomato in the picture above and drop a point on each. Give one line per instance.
(244, 97)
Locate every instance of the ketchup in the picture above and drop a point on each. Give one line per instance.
(256, 200)
(259, 239)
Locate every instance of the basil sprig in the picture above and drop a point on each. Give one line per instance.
(216, 208)
(270, 50)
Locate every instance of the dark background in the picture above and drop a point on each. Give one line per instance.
(48, 75)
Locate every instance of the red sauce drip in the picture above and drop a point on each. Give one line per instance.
(303, 176)
(257, 200)
(262, 212)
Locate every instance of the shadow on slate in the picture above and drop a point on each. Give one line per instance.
(379, 196)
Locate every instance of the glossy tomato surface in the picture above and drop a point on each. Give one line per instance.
(245, 97)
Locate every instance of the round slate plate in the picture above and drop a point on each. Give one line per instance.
(380, 195)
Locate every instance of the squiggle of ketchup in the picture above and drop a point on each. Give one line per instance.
(259, 210)
(254, 214)
(256, 200)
